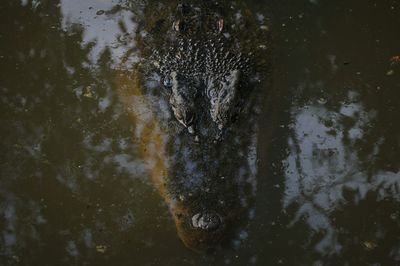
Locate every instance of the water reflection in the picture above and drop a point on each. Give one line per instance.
(329, 178)
(74, 183)
(320, 165)
(64, 155)
(109, 25)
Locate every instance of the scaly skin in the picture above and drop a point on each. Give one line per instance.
(200, 157)
(205, 73)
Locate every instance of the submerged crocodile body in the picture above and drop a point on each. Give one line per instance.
(200, 139)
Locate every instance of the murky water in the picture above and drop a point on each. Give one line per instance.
(75, 184)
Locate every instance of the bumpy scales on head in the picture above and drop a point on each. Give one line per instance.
(182, 100)
(204, 73)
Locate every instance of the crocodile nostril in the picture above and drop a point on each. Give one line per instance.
(208, 221)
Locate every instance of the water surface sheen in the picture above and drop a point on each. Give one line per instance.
(83, 151)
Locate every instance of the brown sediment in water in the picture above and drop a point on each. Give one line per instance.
(128, 87)
(152, 144)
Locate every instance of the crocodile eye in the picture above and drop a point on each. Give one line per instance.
(220, 25)
(179, 26)
(167, 82)
(212, 93)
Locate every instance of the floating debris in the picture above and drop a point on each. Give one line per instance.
(16, 258)
(394, 216)
(369, 245)
(100, 12)
(262, 46)
(101, 248)
(390, 72)
(88, 92)
(395, 60)
(322, 101)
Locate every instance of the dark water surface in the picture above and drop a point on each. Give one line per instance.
(75, 188)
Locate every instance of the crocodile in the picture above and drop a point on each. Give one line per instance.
(195, 97)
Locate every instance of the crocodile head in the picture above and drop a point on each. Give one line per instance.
(205, 74)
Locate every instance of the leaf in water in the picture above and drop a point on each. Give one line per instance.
(101, 248)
